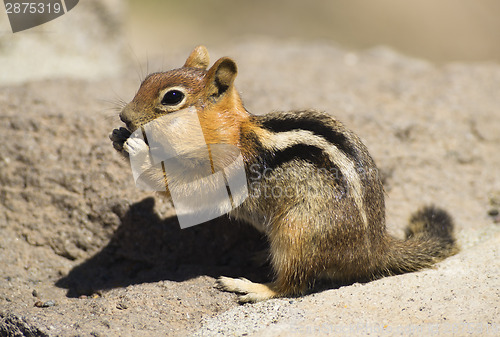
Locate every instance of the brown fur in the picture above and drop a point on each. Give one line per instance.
(325, 226)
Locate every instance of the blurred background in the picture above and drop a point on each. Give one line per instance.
(437, 30)
(99, 38)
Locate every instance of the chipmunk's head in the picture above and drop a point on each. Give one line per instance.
(210, 91)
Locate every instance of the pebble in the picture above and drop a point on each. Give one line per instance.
(493, 212)
(46, 304)
(121, 306)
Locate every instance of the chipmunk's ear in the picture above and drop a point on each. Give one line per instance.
(198, 58)
(221, 76)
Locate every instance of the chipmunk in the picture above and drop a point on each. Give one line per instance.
(314, 189)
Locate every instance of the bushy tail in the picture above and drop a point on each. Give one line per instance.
(429, 239)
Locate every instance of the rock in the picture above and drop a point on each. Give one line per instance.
(75, 228)
(85, 43)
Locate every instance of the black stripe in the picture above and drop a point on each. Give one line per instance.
(318, 124)
(307, 153)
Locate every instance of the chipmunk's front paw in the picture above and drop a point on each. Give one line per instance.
(250, 292)
(135, 146)
(119, 137)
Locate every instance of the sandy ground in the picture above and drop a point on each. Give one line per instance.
(84, 253)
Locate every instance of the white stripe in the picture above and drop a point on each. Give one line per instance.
(282, 140)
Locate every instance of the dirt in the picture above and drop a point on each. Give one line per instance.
(84, 253)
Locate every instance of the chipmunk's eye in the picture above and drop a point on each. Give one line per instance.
(172, 97)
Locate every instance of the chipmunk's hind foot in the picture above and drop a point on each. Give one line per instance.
(249, 291)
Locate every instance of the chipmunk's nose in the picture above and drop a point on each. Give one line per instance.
(124, 119)
(126, 116)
